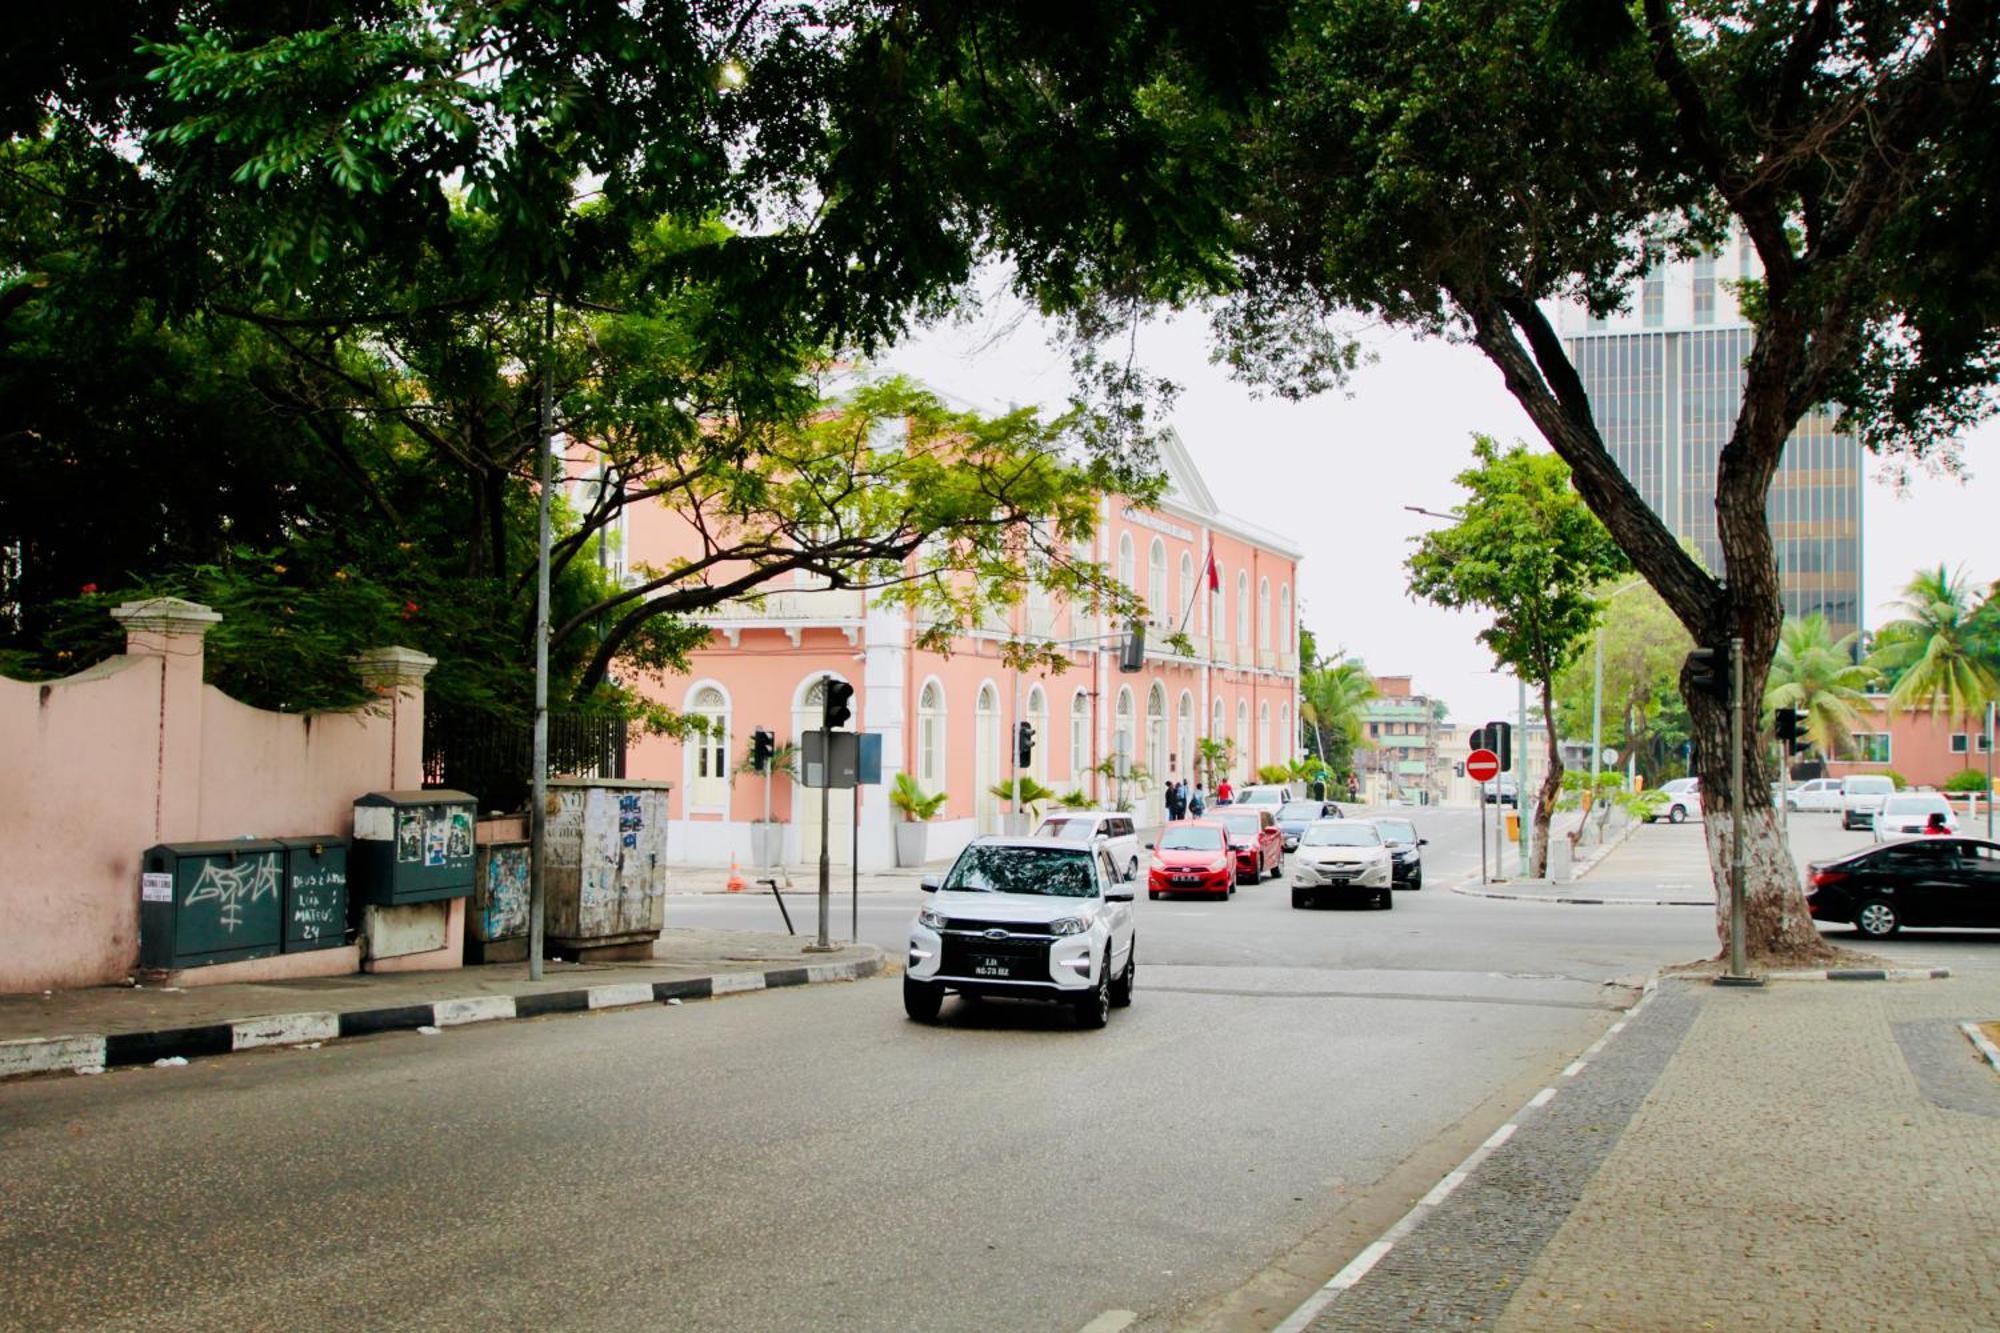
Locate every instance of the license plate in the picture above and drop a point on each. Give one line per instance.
(991, 967)
(1187, 879)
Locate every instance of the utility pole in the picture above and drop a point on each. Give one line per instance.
(1990, 707)
(1738, 974)
(538, 780)
(1521, 775)
(823, 944)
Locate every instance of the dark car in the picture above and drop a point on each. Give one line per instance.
(1293, 816)
(1406, 848)
(1922, 882)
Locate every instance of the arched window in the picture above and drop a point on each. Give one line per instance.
(1218, 609)
(1127, 571)
(1038, 718)
(1242, 736)
(1156, 733)
(1124, 736)
(930, 738)
(1184, 734)
(1243, 608)
(988, 757)
(1079, 736)
(708, 778)
(1264, 755)
(1285, 636)
(1217, 728)
(1264, 613)
(1184, 592)
(1156, 581)
(1288, 740)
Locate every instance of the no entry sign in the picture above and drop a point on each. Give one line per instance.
(1482, 765)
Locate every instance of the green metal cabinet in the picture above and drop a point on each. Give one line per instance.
(315, 893)
(210, 902)
(412, 847)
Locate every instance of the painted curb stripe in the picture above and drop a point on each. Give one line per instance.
(1985, 1045)
(730, 983)
(787, 976)
(690, 988)
(142, 1048)
(620, 994)
(472, 1009)
(551, 1002)
(400, 1018)
(283, 1030)
(48, 1055)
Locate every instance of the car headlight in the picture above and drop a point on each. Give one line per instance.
(1068, 925)
(934, 920)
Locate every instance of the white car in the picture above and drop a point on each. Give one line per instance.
(1908, 813)
(1821, 795)
(1340, 858)
(1683, 801)
(1027, 918)
(1273, 794)
(1115, 829)
(1861, 796)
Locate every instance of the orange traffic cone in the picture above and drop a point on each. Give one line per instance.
(735, 877)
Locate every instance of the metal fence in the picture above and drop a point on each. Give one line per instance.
(493, 760)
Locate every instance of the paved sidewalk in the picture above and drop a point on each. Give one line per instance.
(1811, 1156)
(118, 1025)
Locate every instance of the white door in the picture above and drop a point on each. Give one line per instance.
(986, 759)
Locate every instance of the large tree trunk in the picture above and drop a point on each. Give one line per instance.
(1545, 801)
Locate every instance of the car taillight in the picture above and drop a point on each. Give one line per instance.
(1821, 878)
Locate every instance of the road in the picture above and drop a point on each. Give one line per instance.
(1283, 1086)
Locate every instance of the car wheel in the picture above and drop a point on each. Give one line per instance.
(1300, 898)
(922, 1000)
(1877, 919)
(1387, 902)
(1132, 868)
(1677, 815)
(1417, 880)
(1154, 894)
(1121, 989)
(1093, 1008)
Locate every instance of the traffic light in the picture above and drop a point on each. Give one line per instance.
(1024, 743)
(1477, 740)
(839, 694)
(1708, 671)
(1132, 652)
(763, 744)
(1500, 740)
(1791, 732)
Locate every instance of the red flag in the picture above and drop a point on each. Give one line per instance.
(1214, 579)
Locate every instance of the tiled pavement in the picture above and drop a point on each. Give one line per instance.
(1812, 1156)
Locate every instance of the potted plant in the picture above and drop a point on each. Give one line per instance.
(917, 808)
(1032, 794)
(767, 837)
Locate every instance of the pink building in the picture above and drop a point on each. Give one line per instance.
(1927, 750)
(951, 720)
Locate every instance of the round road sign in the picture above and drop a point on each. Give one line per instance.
(1482, 765)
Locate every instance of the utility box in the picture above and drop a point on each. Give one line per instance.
(315, 893)
(210, 902)
(497, 926)
(606, 866)
(412, 847)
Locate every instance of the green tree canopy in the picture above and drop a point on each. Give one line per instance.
(1643, 648)
(1817, 675)
(1931, 650)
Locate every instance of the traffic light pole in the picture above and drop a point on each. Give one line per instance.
(1738, 974)
(823, 944)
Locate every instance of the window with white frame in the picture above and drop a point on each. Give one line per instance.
(1156, 582)
(1184, 593)
(1156, 732)
(1124, 734)
(1127, 570)
(1264, 613)
(1286, 637)
(1038, 718)
(1963, 741)
(1218, 607)
(708, 780)
(930, 738)
(1184, 732)
(1287, 738)
(1243, 608)
(1217, 729)
(1243, 734)
(1264, 755)
(1079, 736)
(1867, 747)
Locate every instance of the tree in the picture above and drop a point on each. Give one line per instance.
(1643, 649)
(1819, 677)
(1332, 698)
(1527, 549)
(1931, 652)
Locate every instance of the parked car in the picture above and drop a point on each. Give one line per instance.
(1343, 859)
(1293, 816)
(1908, 814)
(1406, 851)
(1504, 790)
(1027, 918)
(1683, 801)
(1192, 856)
(1117, 830)
(1919, 882)
(1254, 837)
(1861, 796)
(1267, 793)
(1821, 795)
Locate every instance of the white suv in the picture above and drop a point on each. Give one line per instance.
(1029, 918)
(1113, 828)
(1861, 798)
(1683, 801)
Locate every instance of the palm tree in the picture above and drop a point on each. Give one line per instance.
(1929, 649)
(1819, 677)
(1331, 699)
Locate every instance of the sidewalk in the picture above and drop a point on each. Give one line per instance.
(115, 1025)
(1811, 1156)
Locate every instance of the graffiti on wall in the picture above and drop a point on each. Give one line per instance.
(233, 886)
(505, 891)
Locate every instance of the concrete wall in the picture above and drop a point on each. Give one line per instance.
(137, 751)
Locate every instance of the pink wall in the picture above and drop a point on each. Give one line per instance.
(137, 751)
(1919, 745)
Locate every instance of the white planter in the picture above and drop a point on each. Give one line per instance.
(767, 843)
(912, 840)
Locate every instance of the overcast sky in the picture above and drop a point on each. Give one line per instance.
(1334, 474)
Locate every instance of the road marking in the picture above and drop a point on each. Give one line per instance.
(1575, 1068)
(1110, 1321)
(1542, 1098)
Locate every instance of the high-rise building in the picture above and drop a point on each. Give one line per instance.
(1665, 379)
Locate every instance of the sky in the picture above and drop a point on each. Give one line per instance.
(1334, 474)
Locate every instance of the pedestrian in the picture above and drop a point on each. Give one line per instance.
(1935, 824)
(1223, 791)
(1196, 805)
(1176, 801)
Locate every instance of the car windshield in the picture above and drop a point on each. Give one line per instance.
(1249, 823)
(1911, 805)
(1300, 810)
(1049, 871)
(1397, 830)
(1342, 834)
(1868, 786)
(1072, 830)
(1191, 840)
(1261, 796)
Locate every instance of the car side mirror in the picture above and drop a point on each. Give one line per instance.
(1423, 842)
(1118, 896)
(931, 883)
(1149, 846)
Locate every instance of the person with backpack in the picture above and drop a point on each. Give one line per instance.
(1196, 805)
(1176, 800)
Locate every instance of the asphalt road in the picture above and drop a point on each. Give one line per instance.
(1283, 1086)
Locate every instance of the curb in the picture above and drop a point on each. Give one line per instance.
(1358, 1267)
(93, 1054)
(1979, 1039)
(1863, 974)
(1571, 899)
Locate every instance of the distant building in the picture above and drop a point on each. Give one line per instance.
(1927, 750)
(1665, 379)
(1405, 758)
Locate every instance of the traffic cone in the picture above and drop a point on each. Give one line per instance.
(735, 877)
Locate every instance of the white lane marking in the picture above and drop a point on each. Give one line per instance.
(1574, 1068)
(282, 1030)
(1498, 1137)
(1542, 1098)
(1111, 1321)
(1442, 1190)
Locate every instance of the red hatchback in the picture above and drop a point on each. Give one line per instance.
(1192, 856)
(1256, 840)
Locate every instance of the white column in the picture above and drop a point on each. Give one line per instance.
(885, 639)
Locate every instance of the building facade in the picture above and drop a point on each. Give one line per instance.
(950, 720)
(1665, 380)
(1405, 758)
(1927, 749)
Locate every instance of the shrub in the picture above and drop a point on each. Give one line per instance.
(1895, 777)
(1274, 774)
(1966, 779)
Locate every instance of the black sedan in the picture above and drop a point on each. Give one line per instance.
(1294, 816)
(1926, 881)
(1407, 849)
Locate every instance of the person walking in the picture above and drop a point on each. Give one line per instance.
(1176, 800)
(1196, 805)
(1223, 791)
